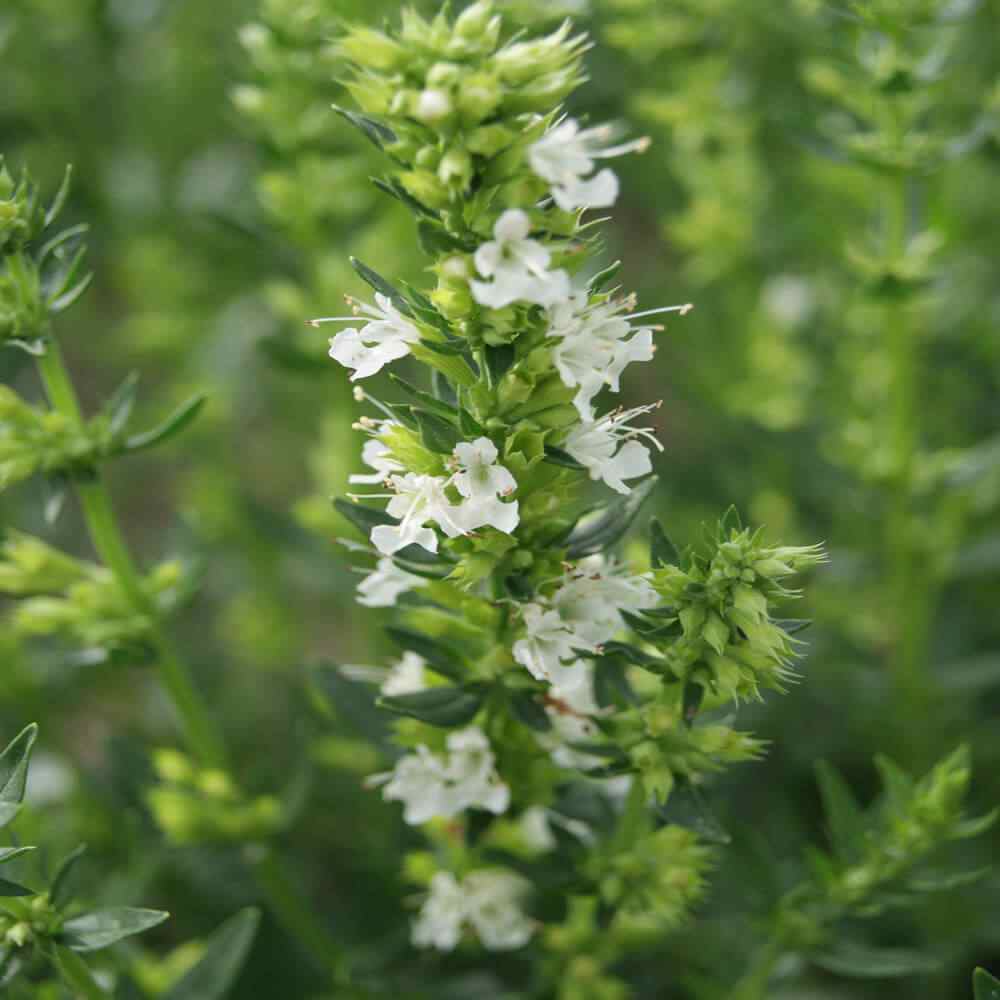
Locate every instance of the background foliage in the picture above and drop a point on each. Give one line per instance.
(831, 383)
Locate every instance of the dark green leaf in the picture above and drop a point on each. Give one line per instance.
(986, 986)
(662, 551)
(694, 694)
(440, 657)
(611, 685)
(8, 888)
(101, 928)
(438, 435)
(394, 189)
(605, 528)
(498, 360)
(214, 975)
(793, 625)
(8, 810)
(469, 426)
(173, 425)
(381, 135)
(381, 285)
(559, 457)
(432, 403)
(439, 706)
(60, 893)
(363, 518)
(527, 709)
(14, 765)
(864, 962)
(844, 818)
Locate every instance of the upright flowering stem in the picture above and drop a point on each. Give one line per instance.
(547, 670)
(196, 722)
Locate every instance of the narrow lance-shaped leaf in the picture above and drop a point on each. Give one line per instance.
(844, 818)
(101, 928)
(174, 424)
(439, 706)
(215, 974)
(606, 528)
(59, 893)
(986, 987)
(14, 765)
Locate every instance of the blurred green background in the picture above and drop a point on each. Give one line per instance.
(224, 197)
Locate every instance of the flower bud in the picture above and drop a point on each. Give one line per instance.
(473, 21)
(432, 106)
(373, 49)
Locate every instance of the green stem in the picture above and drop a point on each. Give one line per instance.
(199, 730)
(110, 545)
(75, 974)
(301, 922)
(910, 583)
(753, 985)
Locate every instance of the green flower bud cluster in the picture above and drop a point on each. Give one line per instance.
(194, 805)
(914, 819)
(35, 281)
(33, 440)
(79, 601)
(458, 99)
(722, 602)
(22, 214)
(653, 886)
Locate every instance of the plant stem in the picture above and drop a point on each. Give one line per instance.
(298, 918)
(196, 721)
(110, 545)
(910, 582)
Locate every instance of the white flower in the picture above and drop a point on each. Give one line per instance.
(547, 644)
(432, 784)
(418, 499)
(377, 455)
(610, 450)
(386, 337)
(488, 899)
(384, 584)
(589, 603)
(492, 903)
(482, 482)
(439, 924)
(406, 676)
(433, 105)
(518, 267)
(565, 157)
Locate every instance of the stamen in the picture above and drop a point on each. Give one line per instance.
(682, 310)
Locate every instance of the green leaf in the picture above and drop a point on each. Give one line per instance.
(440, 657)
(363, 518)
(986, 986)
(528, 710)
(499, 359)
(559, 457)
(863, 962)
(381, 135)
(604, 529)
(77, 976)
(118, 407)
(382, 286)
(9, 853)
(101, 928)
(844, 818)
(693, 695)
(438, 407)
(59, 893)
(603, 278)
(438, 435)
(173, 425)
(394, 189)
(8, 810)
(8, 888)
(469, 426)
(14, 765)
(59, 201)
(662, 551)
(439, 706)
(213, 976)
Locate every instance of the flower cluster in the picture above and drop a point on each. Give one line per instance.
(517, 683)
